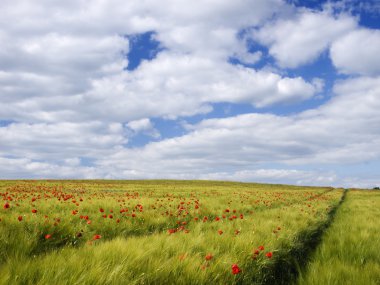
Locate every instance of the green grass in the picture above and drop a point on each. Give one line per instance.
(350, 252)
(285, 220)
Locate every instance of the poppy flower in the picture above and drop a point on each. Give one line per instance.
(47, 236)
(19, 218)
(256, 252)
(235, 269)
(269, 254)
(101, 210)
(172, 231)
(6, 206)
(220, 232)
(96, 237)
(209, 256)
(261, 247)
(34, 211)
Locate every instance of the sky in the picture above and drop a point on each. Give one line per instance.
(247, 90)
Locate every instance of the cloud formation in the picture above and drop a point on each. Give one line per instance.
(70, 108)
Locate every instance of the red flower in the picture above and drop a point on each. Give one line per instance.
(172, 231)
(220, 232)
(34, 211)
(256, 252)
(6, 206)
(209, 256)
(96, 237)
(47, 236)
(101, 210)
(261, 247)
(19, 218)
(235, 269)
(269, 254)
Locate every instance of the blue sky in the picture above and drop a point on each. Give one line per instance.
(260, 90)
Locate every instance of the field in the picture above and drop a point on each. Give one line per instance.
(185, 232)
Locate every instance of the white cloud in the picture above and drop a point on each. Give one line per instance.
(300, 40)
(72, 107)
(357, 52)
(144, 126)
(56, 142)
(291, 176)
(343, 131)
(14, 168)
(64, 61)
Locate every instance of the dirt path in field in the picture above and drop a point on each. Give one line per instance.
(287, 269)
(305, 254)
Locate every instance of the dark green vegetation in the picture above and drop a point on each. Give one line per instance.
(169, 232)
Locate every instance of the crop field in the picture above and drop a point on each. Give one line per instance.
(184, 232)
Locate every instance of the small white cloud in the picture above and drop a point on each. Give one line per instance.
(75, 161)
(144, 126)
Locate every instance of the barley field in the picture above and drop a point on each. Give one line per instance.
(186, 232)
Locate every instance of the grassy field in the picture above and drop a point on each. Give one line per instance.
(175, 232)
(350, 252)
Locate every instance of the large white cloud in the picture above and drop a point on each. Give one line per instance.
(344, 131)
(357, 52)
(65, 61)
(261, 147)
(299, 40)
(60, 141)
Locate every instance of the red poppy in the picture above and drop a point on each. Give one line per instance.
(220, 232)
(6, 206)
(269, 254)
(256, 252)
(96, 237)
(235, 269)
(34, 211)
(47, 236)
(209, 256)
(261, 247)
(172, 231)
(19, 218)
(110, 216)
(101, 210)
